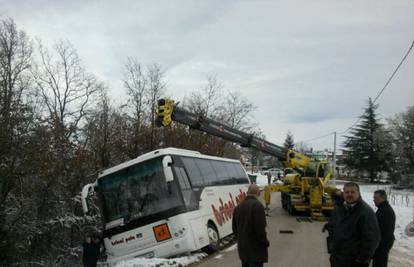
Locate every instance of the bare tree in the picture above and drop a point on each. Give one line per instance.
(98, 131)
(16, 123)
(156, 88)
(237, 112)
(136, 83)
(108, 134)
(15, 60)
(402, 130)
(67, 92)
(232, 109)
(206, 100)
(66, 88)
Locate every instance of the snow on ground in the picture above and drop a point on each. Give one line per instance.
(219, 256)
(261, 180)
(403, 204)
(233, 247)
(157, 262)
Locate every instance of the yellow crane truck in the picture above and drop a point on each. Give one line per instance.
(305, 188)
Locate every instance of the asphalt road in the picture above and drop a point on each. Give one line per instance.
(305, 247)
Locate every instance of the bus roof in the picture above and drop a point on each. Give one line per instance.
(160, 152)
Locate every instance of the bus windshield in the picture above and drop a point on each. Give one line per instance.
(137, 191)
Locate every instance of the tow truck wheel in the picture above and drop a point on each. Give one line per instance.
(214, 239)
(290, 207)
(285, 198)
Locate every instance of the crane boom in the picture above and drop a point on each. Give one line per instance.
(305, 189)
(224, 131)
(168, 111)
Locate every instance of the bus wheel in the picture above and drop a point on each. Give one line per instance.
(214, 239)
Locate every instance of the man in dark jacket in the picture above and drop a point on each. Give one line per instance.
(91, 250)
(355, 231)
(249, 226)
(337, 200)
(386, 220)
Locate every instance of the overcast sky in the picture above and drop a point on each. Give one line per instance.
(309, 66)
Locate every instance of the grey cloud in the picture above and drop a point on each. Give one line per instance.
(303, 63)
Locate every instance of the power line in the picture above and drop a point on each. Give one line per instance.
(319, 137)
(395, 71)
(376, 98)
(385, 86)
(352, 126)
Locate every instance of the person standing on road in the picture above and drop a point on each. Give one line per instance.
(355, 230)
(249, 227)
(337, 201)
(337, 198)
(386, 220)
(269, 178)
(91, 250)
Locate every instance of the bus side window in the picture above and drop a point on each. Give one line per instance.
(193, 171)
(208, 172)
(242, 176)
(182, 178)
(232, 172)
(222, 174)
(190, 199)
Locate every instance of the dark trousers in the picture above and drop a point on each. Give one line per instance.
(252, 264)
(381, 255)
(349, 263)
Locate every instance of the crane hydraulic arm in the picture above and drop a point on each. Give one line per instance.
(168, 112)
(304, 190)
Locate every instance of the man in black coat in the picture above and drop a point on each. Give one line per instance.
(386, 220)
(249, 226)
(338, 200)
(355, 231)
(91, 250)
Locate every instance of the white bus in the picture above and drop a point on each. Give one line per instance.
(167, 202)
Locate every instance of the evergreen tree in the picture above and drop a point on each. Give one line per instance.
(289, 143)
(368, 147)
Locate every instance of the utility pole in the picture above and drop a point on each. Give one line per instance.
(334, 159)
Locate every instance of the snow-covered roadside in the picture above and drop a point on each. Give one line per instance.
(403, 204)
(157, 262)
(261, 180)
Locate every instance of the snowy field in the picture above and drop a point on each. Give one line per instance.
(261, 180)
(402, 253)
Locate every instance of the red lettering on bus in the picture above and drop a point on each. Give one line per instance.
(224, 212)
(217, 214)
